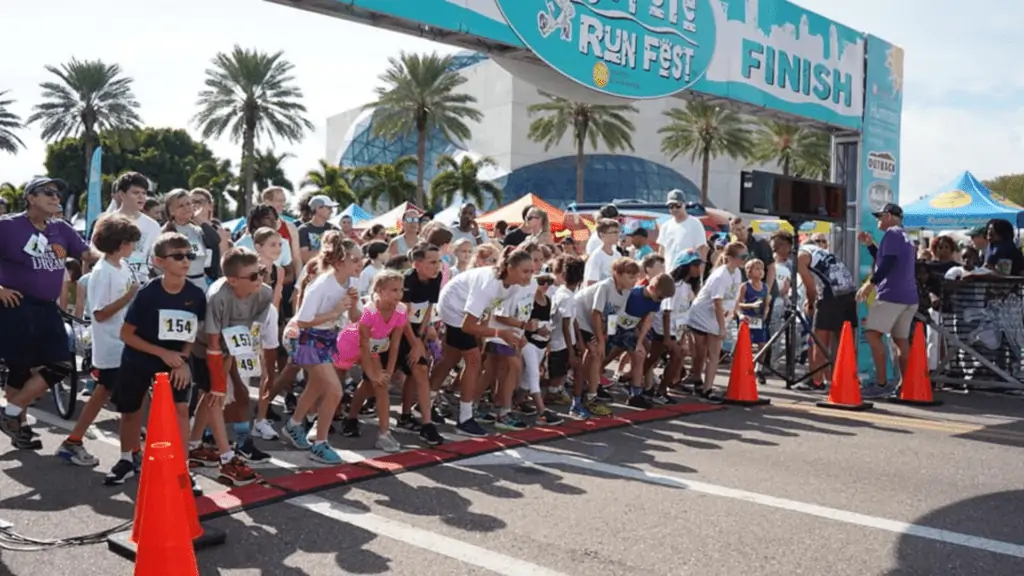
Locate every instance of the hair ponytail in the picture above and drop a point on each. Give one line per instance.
(510, 256)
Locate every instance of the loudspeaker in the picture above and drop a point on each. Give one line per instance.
(791, 198)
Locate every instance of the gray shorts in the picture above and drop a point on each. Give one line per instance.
(890, 318)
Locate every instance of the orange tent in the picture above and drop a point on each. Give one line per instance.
(513, 213)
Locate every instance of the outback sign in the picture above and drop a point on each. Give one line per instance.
(882, 164)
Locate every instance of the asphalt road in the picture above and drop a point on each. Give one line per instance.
(787, 489)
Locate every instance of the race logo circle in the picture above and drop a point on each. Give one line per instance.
(601, 74)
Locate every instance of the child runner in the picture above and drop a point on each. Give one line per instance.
(670, 329)
(111, 290)
(236, 306)
(537, 341)
(376, 257)
(159, 330)
(632, 327)
(326, 300)
(178, 206)
(753, 304)
(565, 350)
(597, 307)
(599, 262)
(709, 314)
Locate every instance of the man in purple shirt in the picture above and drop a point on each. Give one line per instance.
(33, 343)
(895, 286)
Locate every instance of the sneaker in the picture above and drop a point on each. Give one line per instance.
(579, 412)
(75, 453)
(407, 422)
(603, 395)
(430, 436)
(137, 460)
(197, 490)
(811, 387)
(90, 387)
(640, 401)
(485, 416)
(876, 390)
(350, 428)
(549, 418)
(470, 428)
(558, 398)
(121, 471)
(237, 473)
(323, 453)
(22, 437)
(710, 396)
(387, 443)
(263, 430)
(250, 453)
(596, 408)
(527, 408)
(369, 407)
(289, 403)
(204, 457)
(510, 422)
(663, 399)
(296, 436)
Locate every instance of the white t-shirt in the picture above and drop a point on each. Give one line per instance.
(269, 337)
(678, 306)
(284, 260)
(140, 258)
(83, 293)
(460, 235)
(366, 278)
(321, 296)
(677, 237)
(107, 284)
(518, 306)
(720, 285)
(599, 265)
(563, 305)
(476, 292)
(602, 297)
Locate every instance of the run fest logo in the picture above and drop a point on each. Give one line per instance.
(629, 48)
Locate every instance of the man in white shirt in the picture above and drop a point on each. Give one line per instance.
(130, 194)
(683, 232)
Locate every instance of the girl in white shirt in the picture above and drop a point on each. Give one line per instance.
(178, 206)
(670, 333)
(708, 315)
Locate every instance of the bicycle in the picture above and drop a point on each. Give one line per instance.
(65, 392)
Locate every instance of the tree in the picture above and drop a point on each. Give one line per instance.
(798, 151)
(705, 132)
(1009, 186)
(269, 171)
(387, 181)
(418, 97)
(217, 177)
(251, 95)
(14, 196)
(9, 124)
(606, 124)
(333, 181)
(90, 97)
(463, 176)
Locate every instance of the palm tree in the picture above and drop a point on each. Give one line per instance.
(90, 97)
(332, 180)
(9, 124)
(705, 131)
(418, 97)
(463, 177)
(798, 151)
(269, 171)
(387, 181)
(606, 124)
(14, 196)
(251, 95)
(219, 179)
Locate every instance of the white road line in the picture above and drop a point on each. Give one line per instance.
(535, 458)
(423, 539)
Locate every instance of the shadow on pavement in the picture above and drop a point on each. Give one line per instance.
(51, 488)
(441, 502)
(998, 516)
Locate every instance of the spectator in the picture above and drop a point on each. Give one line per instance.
(467, 227)
(979, 238)
(607, 212)
(683, 232)
(640, 243)
(1002, 254)
(534, 220)
(501, 229)
(154, 210)
(321, 209)
(757, 248)
(895, 284)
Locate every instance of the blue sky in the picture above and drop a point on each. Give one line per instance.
(962, 104)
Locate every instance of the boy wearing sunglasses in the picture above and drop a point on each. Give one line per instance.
(159, 330)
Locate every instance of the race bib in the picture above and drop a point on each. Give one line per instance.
(249, 366)
(678, 327)
(417, 312)
(755, 323)
(36, 245)
(613, 323)
(177, 326)
(379, 345)
(543, 337)
(627, 322)
(239, 341)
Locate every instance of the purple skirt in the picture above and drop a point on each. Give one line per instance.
(315, 346)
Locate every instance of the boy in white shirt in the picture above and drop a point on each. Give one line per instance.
(599, 262)
(111, 287)
(131, 190)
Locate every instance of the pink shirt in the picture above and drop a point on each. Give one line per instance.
(380, 334)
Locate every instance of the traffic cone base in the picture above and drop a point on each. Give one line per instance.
(121, 543)
(742, 389)
(844, 393)
(848, 407)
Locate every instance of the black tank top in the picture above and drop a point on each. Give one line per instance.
(540, 313)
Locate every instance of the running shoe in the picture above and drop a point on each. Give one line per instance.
(579, 411)
(250, 453)
(323, 453)
(596, 408)
(350, 427)
(263, 430)
(204, 457)
(603, 395)
(470, 428)
(549, 418)
(75, 453)
(407, 422)
(296, 435)
(387, 443)
(237, 473)
(430, 436)
(122, 471)
(510, 422)
(640, 401)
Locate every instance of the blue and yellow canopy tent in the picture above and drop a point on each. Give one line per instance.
(963, 203)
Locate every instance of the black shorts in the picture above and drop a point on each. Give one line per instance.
(134, 381)
(108, 378)
(455, 337)
(33, 335)
(588, 337)
(655, 337)
(831, 313)
(201, 374)
(403, 358)
(558, 363)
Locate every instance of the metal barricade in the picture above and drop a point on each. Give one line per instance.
(982, 324)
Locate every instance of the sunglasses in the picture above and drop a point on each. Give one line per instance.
(674, 206)
(255, 276)
(410, 220)
(179, 256)
(544, 281)
(52, 193)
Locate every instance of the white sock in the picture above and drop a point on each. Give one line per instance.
(227, 457)
(126, 456)
(465, 411)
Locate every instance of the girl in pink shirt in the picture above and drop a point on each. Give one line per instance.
(369, 342)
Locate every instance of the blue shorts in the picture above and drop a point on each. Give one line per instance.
(34, 335)
(628, 339)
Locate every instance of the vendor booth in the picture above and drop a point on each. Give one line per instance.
(963, 203)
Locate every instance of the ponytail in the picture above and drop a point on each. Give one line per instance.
(510, 256)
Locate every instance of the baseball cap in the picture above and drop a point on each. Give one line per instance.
(976, 232)
(37, 183)
(686, 258)
(676, 197)
(641, 232)
(889, 208)
(319, 201)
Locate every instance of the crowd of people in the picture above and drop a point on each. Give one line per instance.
(502, 329)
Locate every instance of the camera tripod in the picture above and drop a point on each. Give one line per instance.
(793, 319)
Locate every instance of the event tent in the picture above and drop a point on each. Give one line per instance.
(513, 213)
(449, 215)
(963, 203)
(392, 219)
(354, 211)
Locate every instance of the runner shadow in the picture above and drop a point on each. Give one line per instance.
(781, 423)
(997, 517)
(523, 475)
(439, 502)
(54, 486)
(628, 447)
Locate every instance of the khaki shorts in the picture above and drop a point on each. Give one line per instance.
(890, 318)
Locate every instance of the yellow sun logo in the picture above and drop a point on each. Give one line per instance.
(601, 74)
(894, 62)
(951, 200)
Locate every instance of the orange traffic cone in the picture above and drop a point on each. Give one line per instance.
(742, 383)
(844, 394)
(916, 384)
(164, 543)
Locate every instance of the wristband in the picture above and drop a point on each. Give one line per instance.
(218, 377)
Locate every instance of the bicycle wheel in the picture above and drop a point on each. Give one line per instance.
(65, 395)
